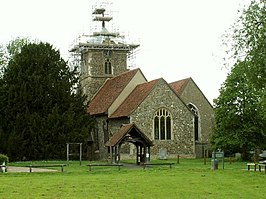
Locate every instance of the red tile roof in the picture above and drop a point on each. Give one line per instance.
(134, 99)
(133, 132)
(179, 85)
(109, 92)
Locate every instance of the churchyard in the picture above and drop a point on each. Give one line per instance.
(191, 178)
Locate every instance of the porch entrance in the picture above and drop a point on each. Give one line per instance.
(132, 134)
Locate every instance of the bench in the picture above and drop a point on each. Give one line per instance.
(262, 165)
(46, 165)
(104, 165)
(151, 164)
(251, 164)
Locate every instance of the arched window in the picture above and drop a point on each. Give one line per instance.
(108, 67)
(162, 125)
(196, 121)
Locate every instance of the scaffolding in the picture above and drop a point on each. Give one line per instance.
(104, 34)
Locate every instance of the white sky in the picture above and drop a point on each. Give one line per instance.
(178, 38)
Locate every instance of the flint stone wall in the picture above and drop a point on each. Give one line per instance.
(192, 94)
(182, 120)
(102, 154)
(92, 69)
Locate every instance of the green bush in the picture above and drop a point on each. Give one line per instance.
(3, 158)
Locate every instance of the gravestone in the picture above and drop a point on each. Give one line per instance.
(162, 154)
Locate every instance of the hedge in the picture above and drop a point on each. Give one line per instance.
(3, 158)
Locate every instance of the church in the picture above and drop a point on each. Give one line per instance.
(134, 117)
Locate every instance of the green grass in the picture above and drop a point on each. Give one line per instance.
(189, 179)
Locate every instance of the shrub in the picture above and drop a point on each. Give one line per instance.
(3, 158)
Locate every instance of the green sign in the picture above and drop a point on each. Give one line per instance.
(219, 154)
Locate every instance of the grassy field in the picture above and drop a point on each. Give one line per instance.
(189, 179)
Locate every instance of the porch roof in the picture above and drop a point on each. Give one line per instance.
(131, 133)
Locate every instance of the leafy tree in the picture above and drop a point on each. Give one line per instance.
(239, 125)
(9, 50)
(42, 109)
(3, 59)
(250, 42)
(241, 107)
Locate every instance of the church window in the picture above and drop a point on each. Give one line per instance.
(156, 128)
(162, 129)
(162, 122)
(196, 121)
(168, 128)
(107, 53)
(108, 67)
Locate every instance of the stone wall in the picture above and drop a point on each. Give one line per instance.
(182, 120)
(192, 94)
(92, 69)
(115, 124)
(93, 63)
(106, 129)
(200, 149)
(102, 129)
(91, 85)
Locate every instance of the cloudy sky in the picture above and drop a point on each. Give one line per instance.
(178, 38)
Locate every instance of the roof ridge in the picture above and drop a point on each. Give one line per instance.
(179, 85)
(129, 105)
(109, 91)
(125, 129)
(188, 78)
(124, 73)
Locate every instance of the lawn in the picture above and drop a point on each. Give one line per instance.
(189, 179)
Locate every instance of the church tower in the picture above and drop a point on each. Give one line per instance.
(103, 55)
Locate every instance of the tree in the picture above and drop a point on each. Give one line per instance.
(241, 106)
(42, 109)
(9, 50)
(239, 125)
(250, 41)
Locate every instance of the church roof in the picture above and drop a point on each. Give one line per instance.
(132, 133)
(109, 92)
(179, 86)
(134, 99)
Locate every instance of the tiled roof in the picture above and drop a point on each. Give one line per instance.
(109, 92)
(134, 99)
(132, 131)
(119, 134)
(179, 85)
